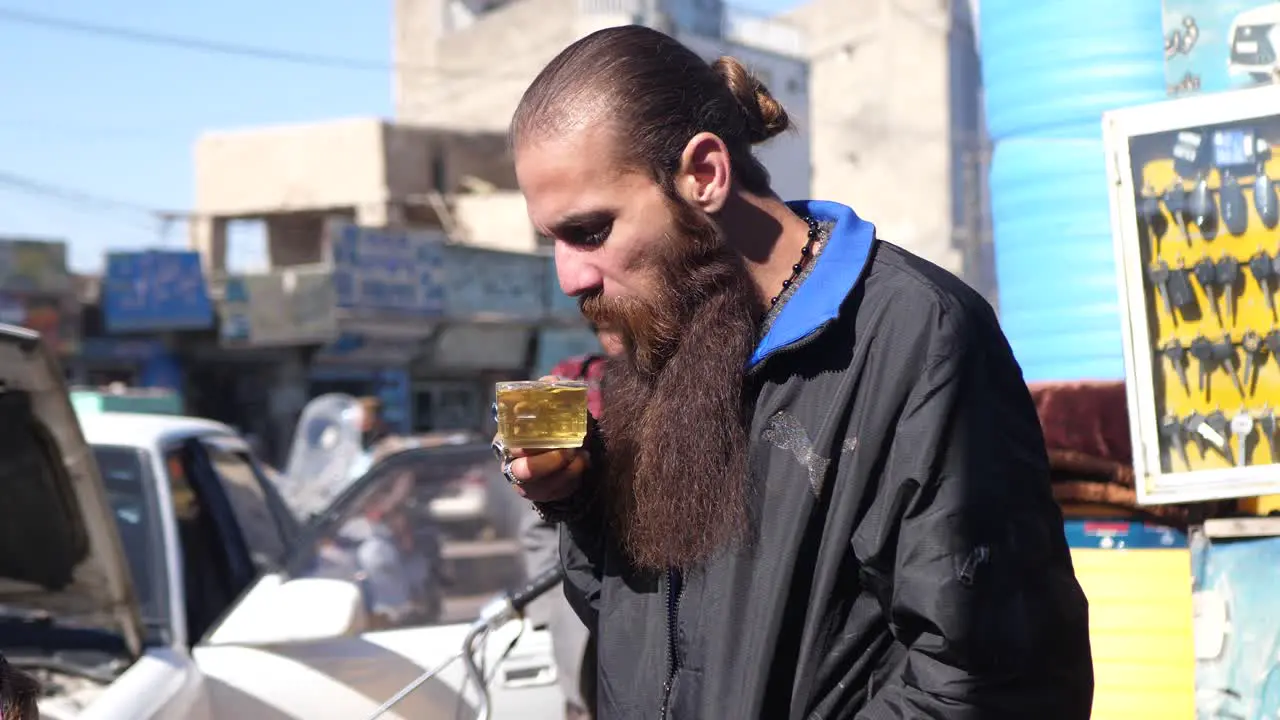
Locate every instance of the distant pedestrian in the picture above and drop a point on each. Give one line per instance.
(372, 431)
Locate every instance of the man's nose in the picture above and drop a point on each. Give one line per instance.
(578, 275)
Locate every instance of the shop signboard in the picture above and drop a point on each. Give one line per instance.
(485, 284)
(55, 317)
(37, 291)
(155, 291)
(1216, 45)
(1195, 216)
(386, 272)
(294, 306)
(34, 267)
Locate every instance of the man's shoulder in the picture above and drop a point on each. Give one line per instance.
(908, 292)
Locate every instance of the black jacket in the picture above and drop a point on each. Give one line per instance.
(908, 560)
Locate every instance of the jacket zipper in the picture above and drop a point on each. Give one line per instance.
(675, 591)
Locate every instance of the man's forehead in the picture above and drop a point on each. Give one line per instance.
(568, 176)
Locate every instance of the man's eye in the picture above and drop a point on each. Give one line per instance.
(597, 237)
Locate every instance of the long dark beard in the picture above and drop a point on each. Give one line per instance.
(674, 421)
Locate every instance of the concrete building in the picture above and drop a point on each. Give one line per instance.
(465, 63)
(897, 132)
(379, 174)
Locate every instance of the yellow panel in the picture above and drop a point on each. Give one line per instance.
(1164, 649)
(1141, 706)
(1262, 505)
(1140, 628)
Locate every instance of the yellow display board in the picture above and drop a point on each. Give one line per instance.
(1195, 198)
(1140, 626)
(1221, 316)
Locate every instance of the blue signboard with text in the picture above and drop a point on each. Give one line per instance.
(387, 271)
(155, 291)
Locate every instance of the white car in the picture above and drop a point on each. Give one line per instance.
(158, 576)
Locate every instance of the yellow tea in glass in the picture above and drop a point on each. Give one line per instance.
(534, 414)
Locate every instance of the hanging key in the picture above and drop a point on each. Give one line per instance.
(1160, 279)
(1251, 343)
(1151, 217)
(1201, 208)
(1207, 275)
(1265, 200)
(1202, 350)
(1181, 294)
(1267, 428)
(1228, 274)
(1171, 430)
(1272, 343)
(1242, 428)
(1175, 353)
(1263, 268)
(1225, 353)
(1235, 209)
(1196, 427)
(1175, 201)
(1217, 430)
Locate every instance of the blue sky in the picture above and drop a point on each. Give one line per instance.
(116, 120)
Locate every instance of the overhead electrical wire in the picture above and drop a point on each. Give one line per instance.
(33, 186)
(189, 42)
(192, 43)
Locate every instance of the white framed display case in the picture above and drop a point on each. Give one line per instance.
(1197, 243)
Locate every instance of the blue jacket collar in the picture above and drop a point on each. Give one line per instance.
(836, 272)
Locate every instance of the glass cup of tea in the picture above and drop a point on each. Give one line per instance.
(542, 415)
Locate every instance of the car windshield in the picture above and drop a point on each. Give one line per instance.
(132, 497)
(429, 535)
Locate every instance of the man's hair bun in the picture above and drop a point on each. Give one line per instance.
(765, 116)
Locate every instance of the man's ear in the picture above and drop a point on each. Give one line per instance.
(705, 174)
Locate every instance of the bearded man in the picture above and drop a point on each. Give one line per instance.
(820, 489)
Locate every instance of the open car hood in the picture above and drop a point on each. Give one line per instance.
(60, 552)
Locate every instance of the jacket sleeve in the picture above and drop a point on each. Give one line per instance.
(582, 552)
(976, 580)
(583, 540)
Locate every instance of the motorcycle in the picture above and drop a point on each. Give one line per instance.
(500, 611)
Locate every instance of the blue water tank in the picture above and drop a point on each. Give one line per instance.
(1055, 266)
(1050, 64)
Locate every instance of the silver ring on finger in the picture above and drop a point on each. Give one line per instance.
(510, 476)
(500, 451)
